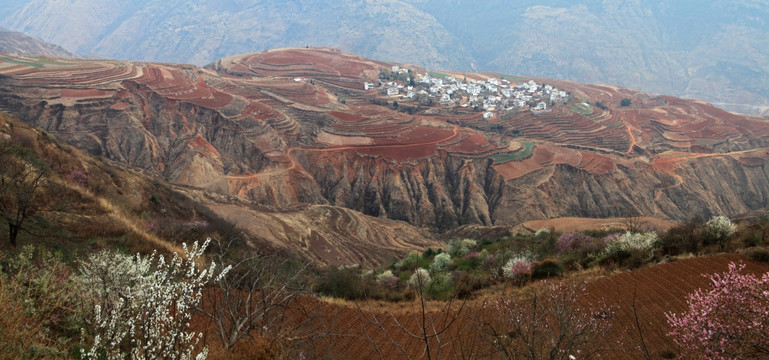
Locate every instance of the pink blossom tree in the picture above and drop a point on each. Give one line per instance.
(728, 321)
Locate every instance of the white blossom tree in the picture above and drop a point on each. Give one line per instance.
(142, 306)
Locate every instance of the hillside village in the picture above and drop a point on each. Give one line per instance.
(490, 96)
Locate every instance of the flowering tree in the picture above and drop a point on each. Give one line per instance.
(546, 324)
(641, 243)
(142, 306)
(518, 268)
(441, 262)
(420, 279)
(719, 229)
(728, 321)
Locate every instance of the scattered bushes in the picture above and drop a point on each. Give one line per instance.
(577, 242)
(387, 280)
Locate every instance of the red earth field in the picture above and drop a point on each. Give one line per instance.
(353, 332)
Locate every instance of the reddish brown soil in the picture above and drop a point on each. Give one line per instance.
(656, 289)
(345, 116)
(565, 225)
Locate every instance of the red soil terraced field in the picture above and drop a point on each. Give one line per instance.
(416, 143)
(372, 330)
(57, 72)
(547, 155)
(315, 62)
(345, 116)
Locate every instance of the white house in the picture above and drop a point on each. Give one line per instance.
(392, 91)
(368, 86)
(488, 115)
(446, 99)
(541, 106)
(396, 68)
(493, 81)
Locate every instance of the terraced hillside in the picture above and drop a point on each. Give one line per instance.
(295, 126)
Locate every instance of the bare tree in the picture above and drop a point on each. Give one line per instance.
(259, 297)
(22, 178)
(545, 324)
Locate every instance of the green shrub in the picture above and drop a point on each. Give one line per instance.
(459, 248)
(625, 102)
(410, 262)
(341, 283)
(440, 287)
(546, 268)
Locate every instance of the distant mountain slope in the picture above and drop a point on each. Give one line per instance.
(717, 51)
(200, 32)
(12, 42)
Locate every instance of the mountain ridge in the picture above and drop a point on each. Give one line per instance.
(714, 51)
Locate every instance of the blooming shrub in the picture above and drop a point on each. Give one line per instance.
(387, 280)
(728, 321)
(573, 242)
(420, 279)
(519, 266)
(77, 177)
(632, 243)
(459, 248)
(719, 229)
(142, 306)
(442, 262)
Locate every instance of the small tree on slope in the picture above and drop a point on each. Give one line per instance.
(728, 321)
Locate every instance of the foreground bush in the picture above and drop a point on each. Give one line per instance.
(142, 306)
(727, 321)
(40, 316)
